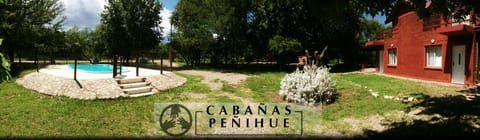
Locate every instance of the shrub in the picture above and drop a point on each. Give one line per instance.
(308, 86)
(4, 67)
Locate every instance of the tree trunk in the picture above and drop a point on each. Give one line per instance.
(19, 59)
(161, 64)
(153, 59)
(11, 55)
(52, 59)
(114, 62)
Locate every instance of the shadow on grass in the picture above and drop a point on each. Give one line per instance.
(18, 68)
(341, 68)
(235, 68)
(252, 68)
(451, 116)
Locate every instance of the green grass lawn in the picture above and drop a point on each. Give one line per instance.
(25, 113)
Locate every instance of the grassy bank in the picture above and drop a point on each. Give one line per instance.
(27, 113)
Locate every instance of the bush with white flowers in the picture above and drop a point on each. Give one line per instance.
(308, 86)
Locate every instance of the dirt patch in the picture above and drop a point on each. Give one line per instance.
(277, 98)
(213, 79)
(196, 95)
(373, 122)
(231, 96)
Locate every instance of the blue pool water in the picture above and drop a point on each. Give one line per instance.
(95, 68)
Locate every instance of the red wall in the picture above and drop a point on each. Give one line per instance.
(410, 41)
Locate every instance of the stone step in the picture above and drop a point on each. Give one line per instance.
(133, 85)
(131, 80)
(141, 94)
(137, 90)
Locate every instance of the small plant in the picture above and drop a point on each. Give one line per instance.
(4, 67)
(308, 86)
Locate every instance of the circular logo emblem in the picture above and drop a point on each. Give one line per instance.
(175, 120)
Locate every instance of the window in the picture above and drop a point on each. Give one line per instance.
(434, 56)
(392, 56)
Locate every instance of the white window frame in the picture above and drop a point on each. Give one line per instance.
(434, 56)
(392, 56)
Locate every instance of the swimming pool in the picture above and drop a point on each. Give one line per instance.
(95, 68)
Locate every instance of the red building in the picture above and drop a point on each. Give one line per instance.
(433, 49)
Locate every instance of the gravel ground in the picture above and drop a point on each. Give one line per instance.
(210, 78)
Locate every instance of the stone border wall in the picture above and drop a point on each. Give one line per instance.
(91, 89)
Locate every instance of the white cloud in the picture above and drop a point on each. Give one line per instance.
(165, 14)
(82, 13)
(86, 13)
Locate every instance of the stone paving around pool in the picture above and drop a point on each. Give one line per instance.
(92, 89)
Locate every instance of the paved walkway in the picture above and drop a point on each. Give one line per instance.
(423, 81)
(372, 71)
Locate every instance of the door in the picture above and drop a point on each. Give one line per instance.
(380, 61)
(458, 64)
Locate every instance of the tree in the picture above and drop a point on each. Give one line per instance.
(4, 67)
(235, 30)
(314, 28)
(191, 19)
(23, 23)
(388, 7)
(283, 47)
(97, 46)
(369, 28)
(217, 30)
(132, 26)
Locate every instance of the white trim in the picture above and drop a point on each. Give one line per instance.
(435, 59)
(392, 57)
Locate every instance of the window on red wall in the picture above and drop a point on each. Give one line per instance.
(392, 56)
(434, 56)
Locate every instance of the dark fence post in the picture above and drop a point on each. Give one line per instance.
(114, 61)
(121, 61)
(161, 64)
(136, 61)
(170, 57)
(36, 61)
(75, 71)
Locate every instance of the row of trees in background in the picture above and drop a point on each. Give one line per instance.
(132, 27)
(230, 32)
(30, 26)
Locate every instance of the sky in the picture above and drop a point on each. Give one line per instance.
(86, 13)
(379, 18)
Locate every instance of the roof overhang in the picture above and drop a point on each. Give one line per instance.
(456, 30)
(374, 44)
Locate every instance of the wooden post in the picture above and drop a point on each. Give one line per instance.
(75, 71)
(136, 61)
(121, 60)
(161, 64)
(36, 59)
(170, 57)
(114, 61)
